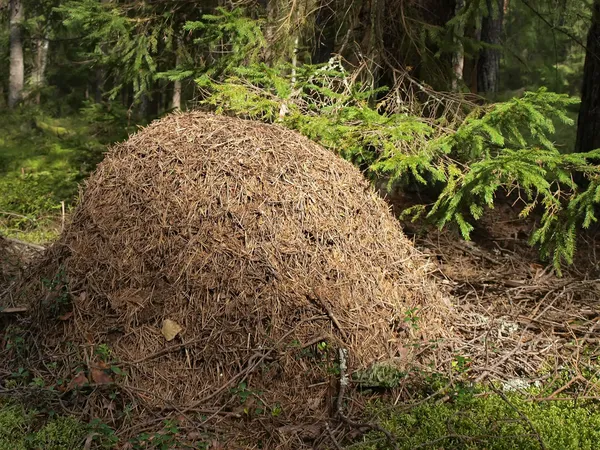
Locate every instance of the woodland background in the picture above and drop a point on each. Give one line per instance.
(459, 99)
(461, 112)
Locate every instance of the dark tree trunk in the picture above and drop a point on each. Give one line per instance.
(588, 129)
(489, 58)
(99, 85)
(326, 30)
(17, 65)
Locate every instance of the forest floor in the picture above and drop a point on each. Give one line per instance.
(524, 369)
(525, 350)
(519, 320)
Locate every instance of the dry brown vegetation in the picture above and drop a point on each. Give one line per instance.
(214, 267)
(211, 253)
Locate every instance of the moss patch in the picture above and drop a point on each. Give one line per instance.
(27, 430)
(490, 422)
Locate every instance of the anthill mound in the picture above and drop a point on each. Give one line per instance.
(12, 261)
(7, 263)
(251, 245)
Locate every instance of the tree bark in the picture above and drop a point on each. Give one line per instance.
(176, 100)
(38, 78)
(588, 128)
(489, 58)
(100, 72)
(17, 65)
(458, 57)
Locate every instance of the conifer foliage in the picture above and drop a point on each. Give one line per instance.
(470, 157)
(364, 79)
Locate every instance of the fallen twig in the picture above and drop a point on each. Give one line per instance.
(344, 381)
(26, 244)
(13, 310)
(523, 416)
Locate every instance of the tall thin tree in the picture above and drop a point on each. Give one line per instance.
(38, 71)
(176, 98)
(458, 57)
(17, 64)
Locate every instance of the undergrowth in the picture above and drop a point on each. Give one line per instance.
(42, 160)
(472, 420)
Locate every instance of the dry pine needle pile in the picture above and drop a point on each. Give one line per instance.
(208, 250)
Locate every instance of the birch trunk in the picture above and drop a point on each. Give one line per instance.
(458, 58)
(38, 78)
(17, 66)
(176, 101)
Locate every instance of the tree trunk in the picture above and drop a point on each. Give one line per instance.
(17, 66)
(489, 58)
(458, 57)
(100, 72)
(368, 34)
(270, 28)
(144, 106)
(588, 129)
(176, 100)
(99, 85)
(38, 78)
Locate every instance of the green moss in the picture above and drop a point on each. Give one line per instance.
(61, 433)
(490, 422)
(13, 427)
(26, 430)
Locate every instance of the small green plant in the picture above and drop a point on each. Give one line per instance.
(59, 299)
(15, 340)
(322, 346)
(103, 351)
(276, 410)
(411, 318)
(37, 382)
(380, 375)
(21, 375)
(460, 364)
(242, 392)
(165, 439)
(104, 434)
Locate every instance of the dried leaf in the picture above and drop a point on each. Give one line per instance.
(215, 445)
(79, 381)
(313, 403)
(403, 352)
(108, 405)
(170, 329)
(194, 435)
(102, 365)
(100, 376)
(66, 316)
